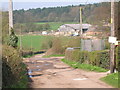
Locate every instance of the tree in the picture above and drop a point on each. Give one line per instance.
(13, 39)
(65, 17)
(92, 13)
(52, 16)
(74, 13)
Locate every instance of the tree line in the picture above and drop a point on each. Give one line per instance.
(30, 27)
(92, 13)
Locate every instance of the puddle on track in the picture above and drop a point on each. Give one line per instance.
(30, 71)
(33, 70)
(46, 64)
(38, 67)
(35, 75)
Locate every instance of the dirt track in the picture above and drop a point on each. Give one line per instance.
(53, 73)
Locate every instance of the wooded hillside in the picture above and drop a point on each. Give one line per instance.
(92, 13)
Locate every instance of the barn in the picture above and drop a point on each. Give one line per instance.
(73, 28)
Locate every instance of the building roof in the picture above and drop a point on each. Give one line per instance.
(75, 26)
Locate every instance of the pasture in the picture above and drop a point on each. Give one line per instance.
(33, 42)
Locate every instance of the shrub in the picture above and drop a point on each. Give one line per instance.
(47, 44)
(26, 53)
(107, 44)
(59, 44)
(104, 59)
(74, 42)
(13, 39)
(98, 58)
(13, 69)
(77, 55)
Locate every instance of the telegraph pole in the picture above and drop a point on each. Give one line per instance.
(10, 16)
(21, 38)
(118, 37)
(112, 46)
(81, 32)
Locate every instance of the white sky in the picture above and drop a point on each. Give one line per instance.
(27, 4)
(56, 0)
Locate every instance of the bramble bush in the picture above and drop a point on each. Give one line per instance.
(13, 69)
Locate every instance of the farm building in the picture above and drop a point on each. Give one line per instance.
(95, 31)
(73, 28)
(44, 32)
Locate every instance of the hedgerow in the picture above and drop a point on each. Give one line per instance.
(97, 58)
(14, 71)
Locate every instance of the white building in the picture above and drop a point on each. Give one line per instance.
(44, 32)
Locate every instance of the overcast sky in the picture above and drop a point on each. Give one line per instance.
(27, 4)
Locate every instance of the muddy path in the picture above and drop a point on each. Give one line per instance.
(53, 73)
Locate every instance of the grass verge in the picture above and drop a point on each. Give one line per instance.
(53, 56)
(111, 79)
(87, 67)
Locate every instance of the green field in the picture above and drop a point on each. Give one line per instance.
(56, 25)
(39, 42)
(33, 41)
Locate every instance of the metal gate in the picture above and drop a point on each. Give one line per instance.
(92, 44)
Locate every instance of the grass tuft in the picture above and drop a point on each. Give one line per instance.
(111, 79)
